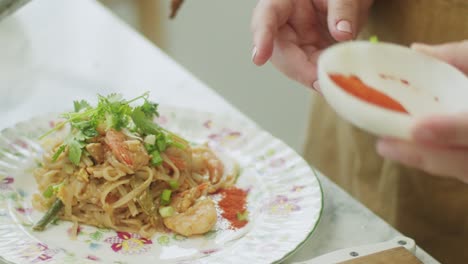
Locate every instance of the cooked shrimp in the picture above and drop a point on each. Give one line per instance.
(198, 219)
(130, 152)
(115, 140)
(184, 200)
(182, 158)
(138, 153)
(193, 215)
(206, 162)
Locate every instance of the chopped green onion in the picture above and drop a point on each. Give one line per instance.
(243, 216)
(174, 184)
(48, 192)
(166, 196)
(52, 190)
(156, 158)
(161, 143)
(166, 211)
(149, 148)
(150, 139)
(374, 39)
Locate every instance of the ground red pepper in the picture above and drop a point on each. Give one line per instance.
(233, 202)
(356, 87)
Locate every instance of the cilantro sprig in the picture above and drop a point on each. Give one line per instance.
(113, 112)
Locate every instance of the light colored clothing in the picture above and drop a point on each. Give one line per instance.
(432, 210)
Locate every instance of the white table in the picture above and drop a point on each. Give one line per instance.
(62, 50)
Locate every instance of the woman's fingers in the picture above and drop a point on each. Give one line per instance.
(443, 130)
(443, 161)
(440, 142)
(455, 53)
(268, 17)
(298, 63)
(343, 19)
(439, 146)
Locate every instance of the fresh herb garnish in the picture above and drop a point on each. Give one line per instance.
(150, 109)
(74, 151)
(144, 122)
(80, 105)
(113, 112)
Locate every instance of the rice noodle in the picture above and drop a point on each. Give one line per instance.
(107, 194)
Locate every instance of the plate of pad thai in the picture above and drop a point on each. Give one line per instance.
(130, 181)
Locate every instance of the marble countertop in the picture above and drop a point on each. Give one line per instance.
(55, 51)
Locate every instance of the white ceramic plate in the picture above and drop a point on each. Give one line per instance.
(423, 85)
(285, 202)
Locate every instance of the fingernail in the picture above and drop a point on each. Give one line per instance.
(254, 53)
(385, 149)
(316, 86)
(344, 26)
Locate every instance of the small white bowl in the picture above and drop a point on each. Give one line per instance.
(421, 84)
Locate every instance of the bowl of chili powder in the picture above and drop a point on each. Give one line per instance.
(383, 88)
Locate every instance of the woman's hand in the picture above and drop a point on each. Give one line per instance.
(293, 33)
(440, 143)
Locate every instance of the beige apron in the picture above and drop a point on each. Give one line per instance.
(432, 210)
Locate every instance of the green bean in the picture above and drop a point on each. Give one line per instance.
(49, 215)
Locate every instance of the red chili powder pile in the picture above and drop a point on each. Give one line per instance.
(233, 203)
(353, 85)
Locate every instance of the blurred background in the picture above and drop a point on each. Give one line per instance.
(212, 40)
